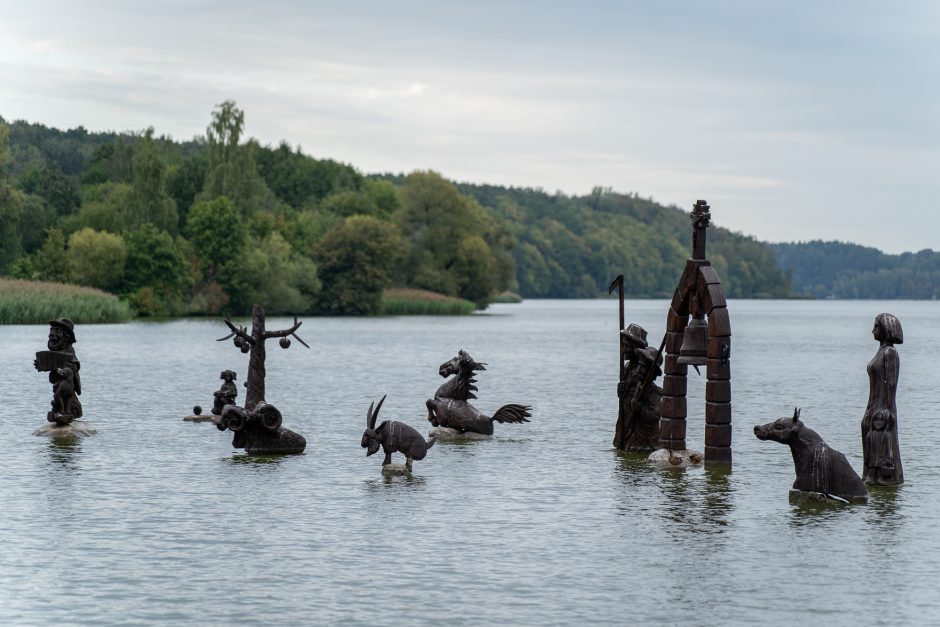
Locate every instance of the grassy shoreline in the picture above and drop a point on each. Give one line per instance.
(400, 301)
(36, 302)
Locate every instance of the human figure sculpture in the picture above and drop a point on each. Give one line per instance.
(226, 394)
(883, 467)
(640, 398)
(393, 437)
(62, 365)
(257, 426)
(819, 468)
(449, 407)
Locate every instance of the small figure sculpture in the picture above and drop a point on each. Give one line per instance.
(62, 365)
(257, 426)
(883, 466)
(449, 407)
(393, 436)
(638, 418)
(819, 468)
(226, 394)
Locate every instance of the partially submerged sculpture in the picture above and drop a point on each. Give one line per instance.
(226, 394)
(639, 397)
(393, 436)
(257, 426)
(62, 365)
(703, 340)
(880, 447)
(449, 407)
(819, 468)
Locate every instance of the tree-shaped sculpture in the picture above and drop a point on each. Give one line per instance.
(257, 427)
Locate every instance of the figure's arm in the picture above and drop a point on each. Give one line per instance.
(892, 368)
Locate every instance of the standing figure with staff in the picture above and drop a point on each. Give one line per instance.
(638, 405)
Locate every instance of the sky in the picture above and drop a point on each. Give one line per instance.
(795, 120)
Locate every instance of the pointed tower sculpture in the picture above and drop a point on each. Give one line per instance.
(698, 332)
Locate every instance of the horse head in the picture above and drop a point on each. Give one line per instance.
(462, 364)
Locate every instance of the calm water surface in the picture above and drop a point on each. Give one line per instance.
(157, 521)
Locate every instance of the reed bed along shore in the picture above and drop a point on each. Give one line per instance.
(401, 301)
(35, 302)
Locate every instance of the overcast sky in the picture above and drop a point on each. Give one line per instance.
(795, 120)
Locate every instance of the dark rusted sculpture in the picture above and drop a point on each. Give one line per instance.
(62, 365)
(449, 407)
(703, 340)
(257, 426)
(880, 447)
(819, 468)
(639, 397)
(393, 436)
(226, 394)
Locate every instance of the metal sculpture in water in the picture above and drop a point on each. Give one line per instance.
(393, 437)
(640, 399)
(880, 447)
(226, 394)
(63, 366)
(257, 426)
(819, 468)
(449, 407)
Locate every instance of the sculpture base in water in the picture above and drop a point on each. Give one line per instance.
(76, 427)
(203, 418)
(803, 496)
(664, 458)
(446, 434)
(279, 442)
(396, 470)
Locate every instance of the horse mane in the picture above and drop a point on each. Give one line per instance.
(462, 386)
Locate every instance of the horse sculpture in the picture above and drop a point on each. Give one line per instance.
(449, 407)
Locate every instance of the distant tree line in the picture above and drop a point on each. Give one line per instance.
(214, 224)
(840, 270)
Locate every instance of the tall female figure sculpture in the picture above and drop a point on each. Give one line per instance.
(880, 446)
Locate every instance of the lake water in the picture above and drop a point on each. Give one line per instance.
(158, 521)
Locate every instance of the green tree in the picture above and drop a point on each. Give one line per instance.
(231, 171)
(284, 281)
(155, 272)
(219, 237)
(97, 258)
(150, 203)
(355, 263)
(52, 260)
(437, 218)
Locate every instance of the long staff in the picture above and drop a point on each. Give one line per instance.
(618, 283)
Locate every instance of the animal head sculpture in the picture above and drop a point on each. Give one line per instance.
(370, 439)
(462, 364)
(783, 430)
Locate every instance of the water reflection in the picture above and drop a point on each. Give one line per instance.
(261, 461)
(64, 451)
(404, 483)
(884, 504)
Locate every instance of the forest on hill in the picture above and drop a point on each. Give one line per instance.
(820, 269)
(214, 224)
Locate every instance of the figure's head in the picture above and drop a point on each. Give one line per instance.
(463, 363)
(228, 375)
(782, 430)
(887, 329)
(880, 420)
(648, 358)
(61, 334)
(370, 438)
(633, 338)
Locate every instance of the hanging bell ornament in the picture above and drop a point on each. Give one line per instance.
(694, 351)
(285, 342)
(245, 348)
(239, 341)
